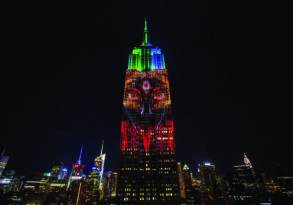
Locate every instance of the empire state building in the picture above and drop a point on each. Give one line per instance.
(148, 170)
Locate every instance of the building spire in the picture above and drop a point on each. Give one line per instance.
(146, 34)
(80, 155)
(102, 147)
(246, 160)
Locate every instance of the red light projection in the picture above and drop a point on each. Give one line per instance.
(147, 139)
(147, 124)
(124, 141)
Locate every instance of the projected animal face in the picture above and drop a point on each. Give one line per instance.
(146, 94)
(147, 120)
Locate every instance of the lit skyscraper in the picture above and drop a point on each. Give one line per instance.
(208, 177)
(110, 186)
(57, 171)
(78, 167)
(99, 168)
(244, 183)
(148, 172)
(77, 170)
(99, 164)
(187, 177)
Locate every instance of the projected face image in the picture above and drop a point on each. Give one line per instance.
(147, 109)
(146, 94)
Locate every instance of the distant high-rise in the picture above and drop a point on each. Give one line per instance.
(185, 185)
(181, 182)
(57, 171)
(243, 181)
(246, 161)
(99, 164)
(93, 185)
(207, 173)
(77, 188)
(78, 167)
(148, 172)
(189, 192)
(111, 186)
(208, 177)
(77, 170)
(99, 168)
(3, 162)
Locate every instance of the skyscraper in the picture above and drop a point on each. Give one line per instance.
(77, 170)
(110, 186)
(57, 171)
(78, 167)
(99, 167)
(244, 181)
(148, 172)
(207, 172)
(189, 193)
(99, 164)
(208, 177)
(76, 185)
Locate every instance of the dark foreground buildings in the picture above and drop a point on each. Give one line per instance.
(148, 173)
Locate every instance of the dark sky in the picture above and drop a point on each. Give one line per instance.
(63, 66)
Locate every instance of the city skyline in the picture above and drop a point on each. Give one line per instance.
(237, 100)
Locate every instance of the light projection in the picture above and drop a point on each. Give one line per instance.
(148, 172)
(147, 106)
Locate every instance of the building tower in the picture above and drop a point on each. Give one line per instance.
(244, 184)
(247, 161)
(99, 169)
(188, 189)
(57, 171)
(78, 167)
(208, 177)
(77, 170)
(148, 172)
(99, 164)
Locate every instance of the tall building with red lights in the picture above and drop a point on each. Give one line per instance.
(148, 172)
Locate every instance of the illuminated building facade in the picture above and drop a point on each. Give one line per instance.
(58, 172)
(76, 185)
(110, 187)
(286, 185)
(95, 178)
(99, 164)
(188, 189)
(78, 167)
(181, 182)
(207, 173)
(244, 184)
(77, 170)
(113, 184)
(93, 186)
(148, 172)
(208, 177)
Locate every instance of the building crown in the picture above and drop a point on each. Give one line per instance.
(146, 57)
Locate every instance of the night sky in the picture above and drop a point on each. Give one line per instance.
(63, 67)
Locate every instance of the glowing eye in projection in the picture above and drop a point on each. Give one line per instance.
(159, 96)
(132, 96)
(146, 86)
(132, 99)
